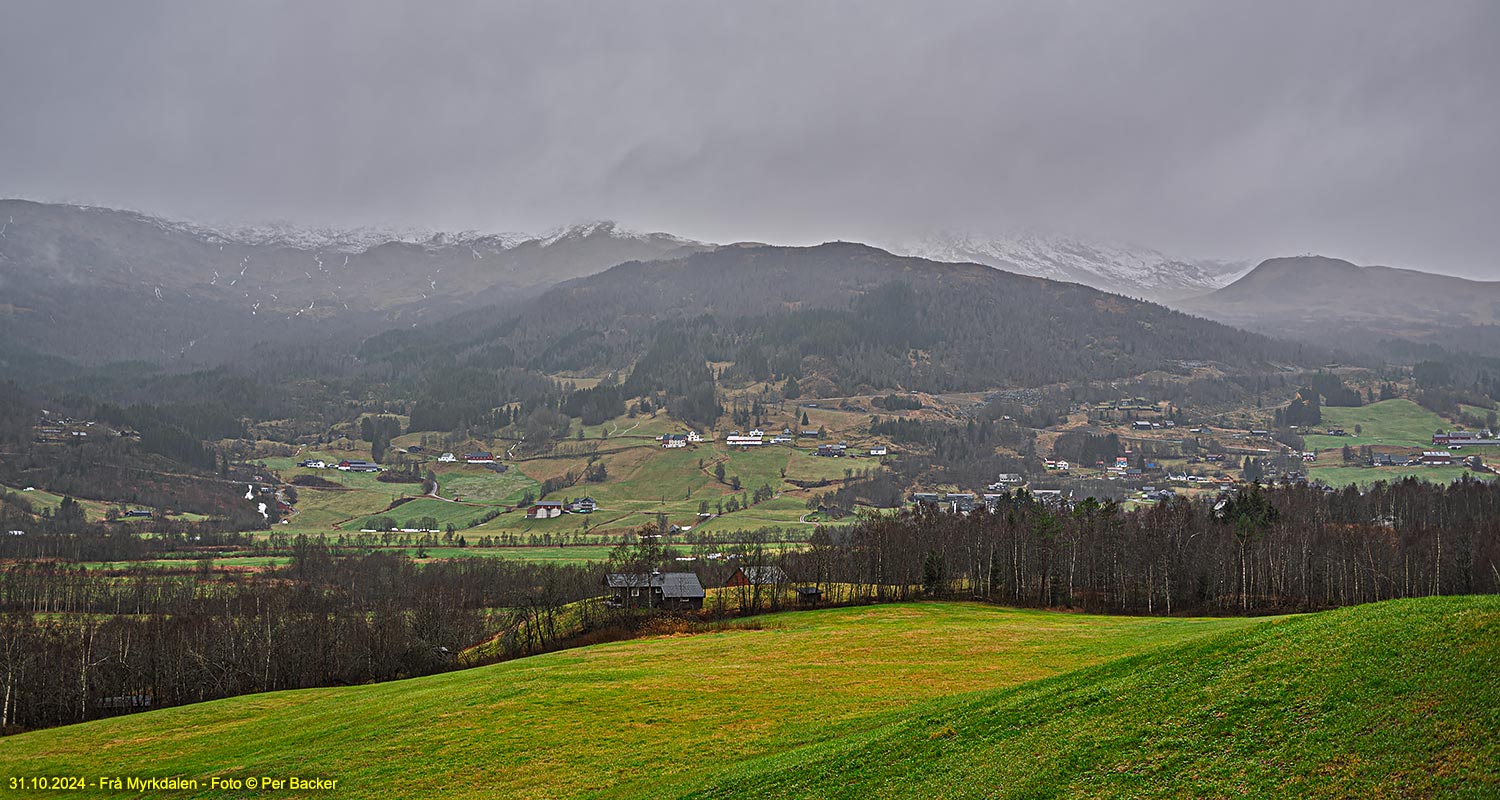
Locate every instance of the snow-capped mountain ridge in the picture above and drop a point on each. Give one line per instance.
(354, 240)
(1124, 269)
(363, 239)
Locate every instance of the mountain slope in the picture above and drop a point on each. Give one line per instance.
(99, 284)
(860, 316)
(1314, 290)
(1395, 699)
(1128, 270)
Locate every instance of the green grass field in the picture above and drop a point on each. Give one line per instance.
(577, 554)
(1364, 476)
(222, 562)
(643, 481)
(1390, 422)
(1395, 699)
(641, 718)
(39, 499)
(480, 485)
(459, 515)
(1481, 412)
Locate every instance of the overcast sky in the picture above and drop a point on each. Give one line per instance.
(1367, 130)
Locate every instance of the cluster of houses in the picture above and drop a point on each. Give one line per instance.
(347, 465)
(683, 590)
(841, 449)
(53, 430)
(1458, 440)
(670, 441)
(1428, 458)
(551, 509)
(360, 465)
(968, 502)
(757, 437)
(1006, 481)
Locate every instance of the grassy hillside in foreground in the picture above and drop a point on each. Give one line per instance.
(1395, 699)
(639, 718)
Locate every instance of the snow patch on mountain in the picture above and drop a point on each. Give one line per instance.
(1124, 269)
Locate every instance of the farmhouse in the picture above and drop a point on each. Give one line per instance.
(545, 509)
(481, 457)
(831, 450)
(737, 439)
(313, 463)
(447, 458)
(1464, 441)
(960, 502)
(583, 505)
(657, 590)
(1005, 479)
(674, 440)
(756, 576)
(878, 450)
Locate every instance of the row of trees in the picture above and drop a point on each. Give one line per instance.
(76, 644)
(144, 638)
(1259, 551)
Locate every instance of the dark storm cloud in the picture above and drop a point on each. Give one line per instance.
(1362, 129)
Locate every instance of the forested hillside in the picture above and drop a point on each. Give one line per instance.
(839, 318)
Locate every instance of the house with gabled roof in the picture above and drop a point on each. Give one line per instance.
(756, 576)
(545, 509)
(669, 590)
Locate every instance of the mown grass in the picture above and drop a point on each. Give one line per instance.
(1388, 422)
(1364, 476)
(1395, 699)
(93, 510)
(480, 485)
(405, 515)
(575, 554)
(640, 718)
(219, 562)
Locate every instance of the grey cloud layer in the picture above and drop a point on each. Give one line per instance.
(1362, 129)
